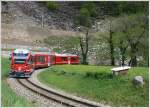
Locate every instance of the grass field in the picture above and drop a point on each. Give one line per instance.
(97, 83)
(10, 98)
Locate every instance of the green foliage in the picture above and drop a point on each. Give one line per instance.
(52, 5)
(133, 7)
(83, 18)
(98, 75)
(131, 30)
(99, 85)
(118, 8)
(91, 7)
(87, 12)
(9, 98)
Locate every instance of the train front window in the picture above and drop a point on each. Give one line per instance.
(21, 54)
(19, 61)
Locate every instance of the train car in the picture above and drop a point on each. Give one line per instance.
(41, 60)
(44, 59)
(73, 59)
(61, 59)
(66, 59)
(21, 63)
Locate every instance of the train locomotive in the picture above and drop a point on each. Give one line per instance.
(23, 62)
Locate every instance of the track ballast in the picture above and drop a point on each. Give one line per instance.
(62, 99)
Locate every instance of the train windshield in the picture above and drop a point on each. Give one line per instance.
(19, 61)
(20, 54)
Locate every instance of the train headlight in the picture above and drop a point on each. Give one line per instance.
(28, 70)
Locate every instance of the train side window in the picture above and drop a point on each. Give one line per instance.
(42, 59)
(63, 58)
(73, 59)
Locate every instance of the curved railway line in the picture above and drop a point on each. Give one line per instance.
(62, 99)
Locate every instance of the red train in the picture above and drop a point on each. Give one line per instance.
(23, 62)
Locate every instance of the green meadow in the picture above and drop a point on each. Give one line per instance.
(97, 83)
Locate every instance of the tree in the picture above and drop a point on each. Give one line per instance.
(137, 28)
(85, 20)
(109, 37)
(120, 38)
(110, 40)
(84, 45)
(131, 29)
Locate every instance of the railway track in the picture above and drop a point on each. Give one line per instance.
(62, 99)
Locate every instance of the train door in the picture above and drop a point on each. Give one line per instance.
(63, 60)
(52, 59)
(41, 60)
(30, 63)
(69, 59)
(74, 60)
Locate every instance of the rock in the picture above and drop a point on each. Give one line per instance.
(138, 81)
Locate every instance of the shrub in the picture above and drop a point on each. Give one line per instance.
(52, 5)
(61, 72)
(97, 75)
(88, 74)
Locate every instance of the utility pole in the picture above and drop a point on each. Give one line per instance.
(42, 19)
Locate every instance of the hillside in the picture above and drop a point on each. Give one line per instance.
(21, 22)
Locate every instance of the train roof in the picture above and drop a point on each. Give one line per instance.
(23, 51)
(66, 54)
(42, 53)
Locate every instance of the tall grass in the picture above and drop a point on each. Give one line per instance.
(10, 98)
(115, 91)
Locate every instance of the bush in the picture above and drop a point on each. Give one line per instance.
(52, 5)
(97, 75)
(61, 72)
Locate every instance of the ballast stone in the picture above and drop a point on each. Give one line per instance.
(138, 81)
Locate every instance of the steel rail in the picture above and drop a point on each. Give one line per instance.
(68, 99)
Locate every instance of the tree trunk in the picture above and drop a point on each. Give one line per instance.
(133, 55)
(133, 61)
(122, 50)
(84, 59)
(111, 49)
(123, 59)
(84, 47)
